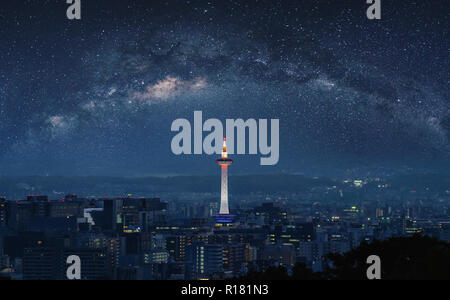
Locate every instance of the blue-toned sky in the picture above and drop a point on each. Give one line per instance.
(98, 96)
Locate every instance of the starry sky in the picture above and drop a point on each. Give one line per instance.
(98, 96)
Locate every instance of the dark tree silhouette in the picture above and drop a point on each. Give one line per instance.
(302, 272)
(299, 272)
(414, 258)
(272, 273)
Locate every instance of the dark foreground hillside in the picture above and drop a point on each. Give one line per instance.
(414, 258)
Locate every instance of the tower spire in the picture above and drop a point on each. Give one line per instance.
(224, 149)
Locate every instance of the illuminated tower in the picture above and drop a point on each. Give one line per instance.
(224, 162)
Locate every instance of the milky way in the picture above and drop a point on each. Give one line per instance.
(97, 97)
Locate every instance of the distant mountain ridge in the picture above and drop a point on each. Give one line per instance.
(57, 186)
(21, 186)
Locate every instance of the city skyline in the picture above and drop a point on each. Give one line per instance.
(301, 234)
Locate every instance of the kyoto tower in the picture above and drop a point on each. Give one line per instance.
(224, 162)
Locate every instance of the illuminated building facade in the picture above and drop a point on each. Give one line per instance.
(3, 212)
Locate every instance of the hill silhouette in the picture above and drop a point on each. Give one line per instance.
(412, 258)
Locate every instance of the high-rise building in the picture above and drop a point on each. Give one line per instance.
(204, 260)
(176, 245)
(19, 214)
(224, 162)
(42, 263)
(4, 262)
(283, 255)
(3, 212)
(110, 214)
(49, 263)
(234, 257)
(65, 209)
(94, 263)
(136, 214)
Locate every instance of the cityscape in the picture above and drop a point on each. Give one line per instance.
(196, 238)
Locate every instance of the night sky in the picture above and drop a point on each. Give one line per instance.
(98, 96)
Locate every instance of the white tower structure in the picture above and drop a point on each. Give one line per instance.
(224, 162)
